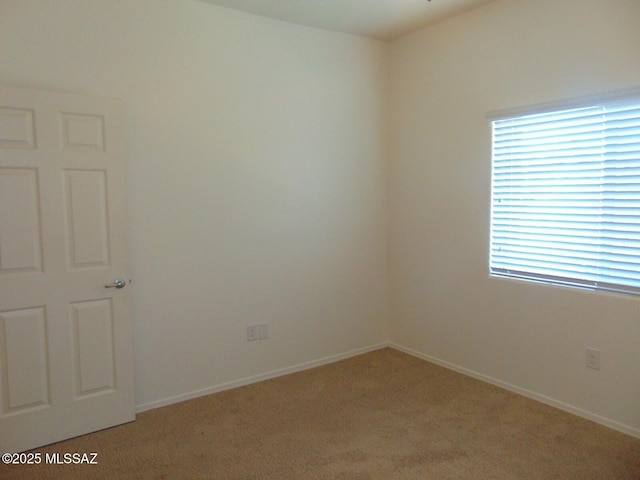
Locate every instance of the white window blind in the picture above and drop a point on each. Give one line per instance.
(566, 197)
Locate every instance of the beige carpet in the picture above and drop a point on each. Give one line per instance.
(383, 415)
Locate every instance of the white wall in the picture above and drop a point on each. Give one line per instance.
(444, 305)
(257, 177)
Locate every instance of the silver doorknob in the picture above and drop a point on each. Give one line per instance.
(117, 283)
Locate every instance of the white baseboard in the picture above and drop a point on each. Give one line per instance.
(607, 422)
(256, 378)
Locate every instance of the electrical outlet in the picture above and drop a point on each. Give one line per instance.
(252, 333)
(263, 331)
(592, 358)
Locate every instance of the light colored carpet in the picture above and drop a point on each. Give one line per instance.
(383, 415)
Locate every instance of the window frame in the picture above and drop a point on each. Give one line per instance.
(629, 95)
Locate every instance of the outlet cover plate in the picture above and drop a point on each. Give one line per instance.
(592, 358)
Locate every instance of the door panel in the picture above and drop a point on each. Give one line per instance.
(66, 363)
(20, 236)
(17, 128)
(23, 348)
(86, 218)
(93, 342)
(82, 132)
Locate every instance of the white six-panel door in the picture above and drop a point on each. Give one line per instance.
(66, 365)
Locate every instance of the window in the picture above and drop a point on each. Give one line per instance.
(565, 206)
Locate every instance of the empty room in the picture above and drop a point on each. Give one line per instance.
(309, 239)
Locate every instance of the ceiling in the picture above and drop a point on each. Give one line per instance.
(380, 19)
